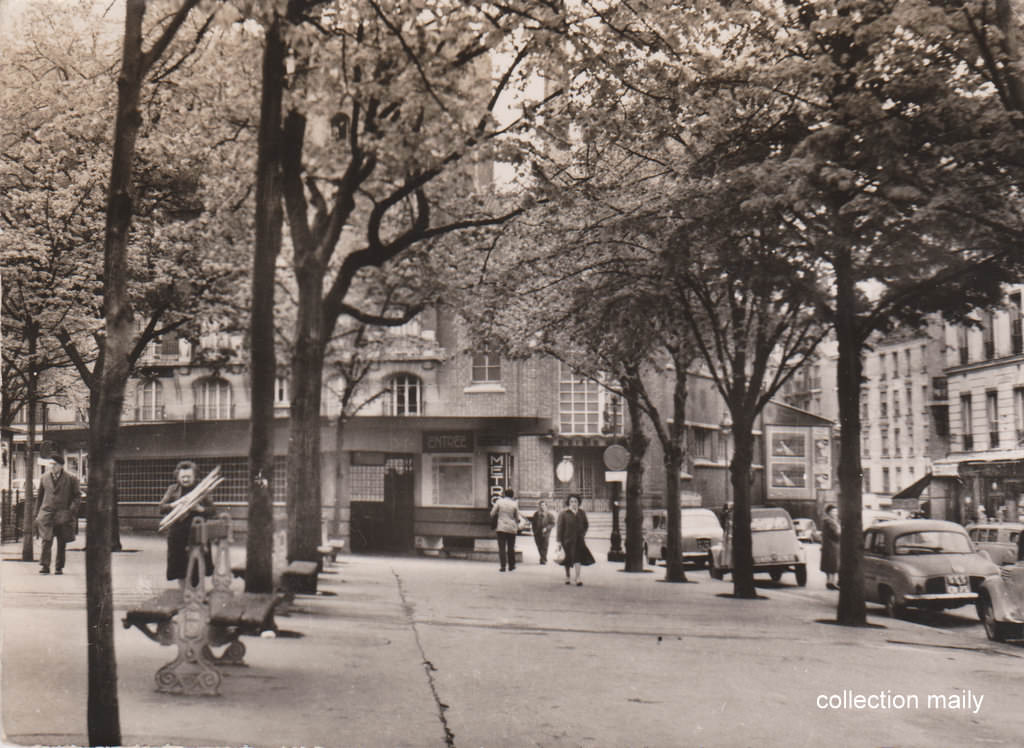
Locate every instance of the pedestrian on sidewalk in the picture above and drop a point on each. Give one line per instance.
(542, 521)
(59, 496)
(506, 510)
(830, 533)
(572, 529)
(178, 533)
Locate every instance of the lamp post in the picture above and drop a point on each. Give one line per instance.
(616, 458)
(726, 428)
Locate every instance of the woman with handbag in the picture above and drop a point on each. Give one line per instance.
(571, 531)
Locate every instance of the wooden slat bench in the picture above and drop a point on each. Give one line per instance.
(197, 618)
(299, 578)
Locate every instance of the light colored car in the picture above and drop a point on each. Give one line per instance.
(806, 530)
(922, 563)
(1001, 604)
(869, 517)
(775, 547)
(997, 539)
(700, 530)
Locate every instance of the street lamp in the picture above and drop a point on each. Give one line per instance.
(726, 428)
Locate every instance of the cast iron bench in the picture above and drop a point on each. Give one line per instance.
(197, 619)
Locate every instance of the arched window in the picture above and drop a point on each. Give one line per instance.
(149, 402)
(213, 400)
(405, 395)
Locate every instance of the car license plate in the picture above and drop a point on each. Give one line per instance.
(957, 584)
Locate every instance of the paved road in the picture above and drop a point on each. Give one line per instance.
(428, 652)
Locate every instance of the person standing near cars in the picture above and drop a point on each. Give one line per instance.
(542, 521)
(59, 496)
(506, 510)
(830, 546)
(572, 529)
(178, 533)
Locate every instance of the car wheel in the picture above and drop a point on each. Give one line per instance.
(775, 574)
(993, 629)
(892, 608)
(801, 575)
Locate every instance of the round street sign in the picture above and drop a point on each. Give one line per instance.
(616, 457)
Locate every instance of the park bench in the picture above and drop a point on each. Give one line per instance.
(202, 617)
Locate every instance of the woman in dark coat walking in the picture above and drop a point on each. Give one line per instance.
(571, 530)
(830, 547)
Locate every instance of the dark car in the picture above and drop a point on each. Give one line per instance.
(922, 563)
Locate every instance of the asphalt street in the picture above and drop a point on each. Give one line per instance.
(408, 651)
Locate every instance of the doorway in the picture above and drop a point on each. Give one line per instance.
(382, 517)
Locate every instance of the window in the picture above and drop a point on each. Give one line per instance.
(1016, 305)
(702, 443)
(924, 357)
(883, 405)
(988, 335)
(966, 419)
(885, 480)
(910, 403)
(486, 366)
(149, 404)
(881, 366)
(452, 480)
(866, 485)
(895, 356)
(992, 416)
(897, 445)
(281, 391)
(906, 362)
(865, 445)
(579, 405)
(895, 404)
(1018, 414)
(404, 396)
(961, 344)
(213, 400)
(885, 442)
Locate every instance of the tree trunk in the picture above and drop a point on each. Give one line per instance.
(304, 500)
(28, 517)
(742, 544)
(637, 445)
(259, 571)
(674, 571)
(852, 610)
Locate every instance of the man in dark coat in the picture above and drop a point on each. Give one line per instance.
(542, 521)
(59, 496)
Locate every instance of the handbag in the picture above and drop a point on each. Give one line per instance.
(559, 554)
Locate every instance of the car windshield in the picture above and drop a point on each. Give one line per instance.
(765, 522)
(932, 541)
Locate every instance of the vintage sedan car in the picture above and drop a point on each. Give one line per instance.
(806, 530)
(774, 543)
(922, 563)
(997, 539)
(1001, 604)
(700, 530)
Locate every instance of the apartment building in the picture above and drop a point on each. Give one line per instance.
(984, 374)
(436, 429)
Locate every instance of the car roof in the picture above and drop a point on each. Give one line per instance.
(768, 510)
(899, 526)
(997, 525)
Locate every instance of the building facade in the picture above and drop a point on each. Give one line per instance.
(435, 430)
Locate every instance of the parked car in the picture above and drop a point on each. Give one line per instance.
(922, 563)
(869, 517)
(774, 543)
(1001, 604)
(997, 539)
(806, 530)
(525, 526)
(700, 530)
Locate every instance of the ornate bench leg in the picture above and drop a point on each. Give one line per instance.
(192, 672)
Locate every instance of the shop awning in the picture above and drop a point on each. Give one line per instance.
(915, 489)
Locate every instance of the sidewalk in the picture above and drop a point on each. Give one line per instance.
(408, 651)
(342, 663)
